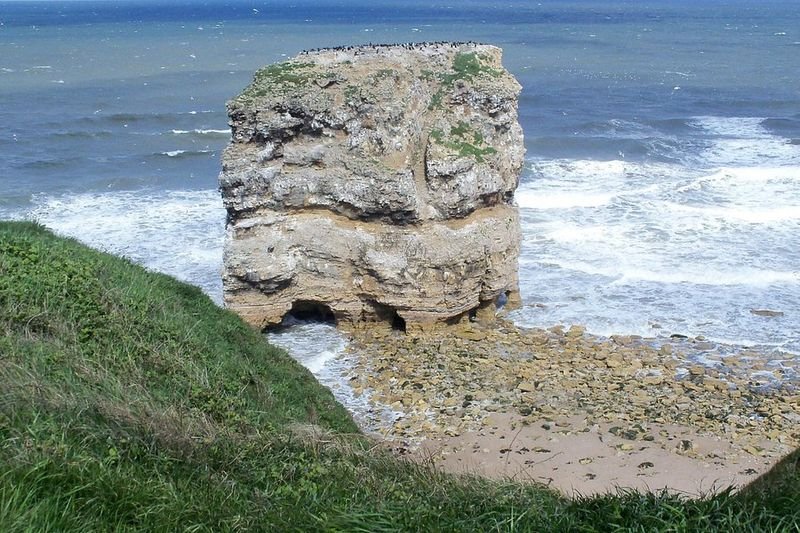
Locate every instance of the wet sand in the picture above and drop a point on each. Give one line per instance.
(580, 459)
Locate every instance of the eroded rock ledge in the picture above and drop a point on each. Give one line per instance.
(375, 183)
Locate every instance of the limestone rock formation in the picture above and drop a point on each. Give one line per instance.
(376, 183)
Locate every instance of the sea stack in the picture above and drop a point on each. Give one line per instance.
(374, 184)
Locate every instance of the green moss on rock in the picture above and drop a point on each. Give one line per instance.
(466, 66)
(464, 141)
(280, 78)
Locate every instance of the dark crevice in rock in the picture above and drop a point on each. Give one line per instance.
(388, 315)
(254, 281)
(312, 311)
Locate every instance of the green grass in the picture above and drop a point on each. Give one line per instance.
(279, 79)
(130, 402)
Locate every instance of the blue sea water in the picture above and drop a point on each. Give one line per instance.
(661, 193)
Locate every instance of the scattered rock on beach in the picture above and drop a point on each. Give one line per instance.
(447, 384)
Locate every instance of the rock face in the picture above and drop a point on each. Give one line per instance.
(374, 183)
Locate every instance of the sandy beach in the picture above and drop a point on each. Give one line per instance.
(582, 414)
(578, 459)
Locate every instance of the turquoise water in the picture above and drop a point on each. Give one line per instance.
(661, 193)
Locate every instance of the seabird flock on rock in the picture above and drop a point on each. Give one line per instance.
(378, 47)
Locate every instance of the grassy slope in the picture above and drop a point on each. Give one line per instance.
(129, 401)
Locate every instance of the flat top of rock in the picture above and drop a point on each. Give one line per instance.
(443, 62)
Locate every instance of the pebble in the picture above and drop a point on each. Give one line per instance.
(526, 387)
(697, 370)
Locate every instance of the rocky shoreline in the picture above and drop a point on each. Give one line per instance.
(451, 390)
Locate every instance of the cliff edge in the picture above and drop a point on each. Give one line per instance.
(374, 183)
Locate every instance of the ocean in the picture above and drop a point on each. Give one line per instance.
(661, 193)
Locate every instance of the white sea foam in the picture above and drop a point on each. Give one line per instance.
(764, 215)
(201, 132)
(601, 177)
(747, 341)
(529, 199)
(569, 169)
(743, 141)
(315, 345)
(743, 276)
(627, 271)
(575, 234)
(754, 195)
(735, 126)
(569, 184)
(178, 153)
(727, 176)
(176, 232)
